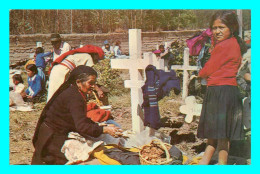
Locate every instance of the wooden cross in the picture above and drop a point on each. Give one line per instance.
(135, 63)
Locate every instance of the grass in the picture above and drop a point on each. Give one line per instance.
(120, 101)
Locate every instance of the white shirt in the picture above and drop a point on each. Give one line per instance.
(64, 47)
(117, 51)
(81, 59)
(111, 51)
(19, 88)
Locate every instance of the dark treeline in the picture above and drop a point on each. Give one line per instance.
(105, 21)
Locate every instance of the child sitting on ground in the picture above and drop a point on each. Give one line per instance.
(34, 84)
(41, 63)
(18, 89)
(18, 83)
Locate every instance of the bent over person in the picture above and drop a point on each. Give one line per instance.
(64, 113)
(67, 62)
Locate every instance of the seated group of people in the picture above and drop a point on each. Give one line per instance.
(111, 52)
(36, 68)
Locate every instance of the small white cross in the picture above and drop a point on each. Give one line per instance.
(190, 108)
(185, 67)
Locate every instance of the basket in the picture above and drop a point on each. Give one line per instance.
(162, 145)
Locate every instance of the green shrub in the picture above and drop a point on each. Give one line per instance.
(110, 78)
(177, 48)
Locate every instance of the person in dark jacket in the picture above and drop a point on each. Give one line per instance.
(66, 112)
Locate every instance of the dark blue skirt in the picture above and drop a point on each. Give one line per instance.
(221, 115)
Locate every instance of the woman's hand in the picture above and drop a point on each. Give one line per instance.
(112, 130)
(99, 91)
(28, 96)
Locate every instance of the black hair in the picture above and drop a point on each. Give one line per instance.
(75, 74)
(161, 46)
(39, 50)
(175, 44)
(55, 36)
(117, 43)
(18, 78)
(32, 67)
(82, 77)
(81, 73)
(229, 18)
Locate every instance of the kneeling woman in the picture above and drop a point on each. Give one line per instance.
(66, 112)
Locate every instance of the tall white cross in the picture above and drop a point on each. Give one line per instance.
(135, 63)
(185, 67)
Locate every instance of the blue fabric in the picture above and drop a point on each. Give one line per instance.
(42, 75)
(157, 85)
(40, 61)
(35, 85)
(204, 54)
(112, 122)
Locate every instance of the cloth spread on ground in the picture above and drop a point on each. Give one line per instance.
(157, 85)
(77, 149)
(104, 159)
(23, 107)
(123, 156)
(96, 114)
(176, 155)
(84, 49)
(116, 155)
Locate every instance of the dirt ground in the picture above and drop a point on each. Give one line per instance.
(183, 135)
(22, 125)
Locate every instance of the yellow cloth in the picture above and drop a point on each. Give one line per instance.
(31, 61)
(104, 159)
(195, 161)
(185, 158)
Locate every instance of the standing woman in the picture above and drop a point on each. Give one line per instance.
(66, 112)
(221, 115)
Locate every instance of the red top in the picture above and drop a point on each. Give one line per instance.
(222, 67)
(84, 49)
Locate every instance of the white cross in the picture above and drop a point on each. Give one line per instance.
(135, 63)
(185, 67)
(190, 108)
